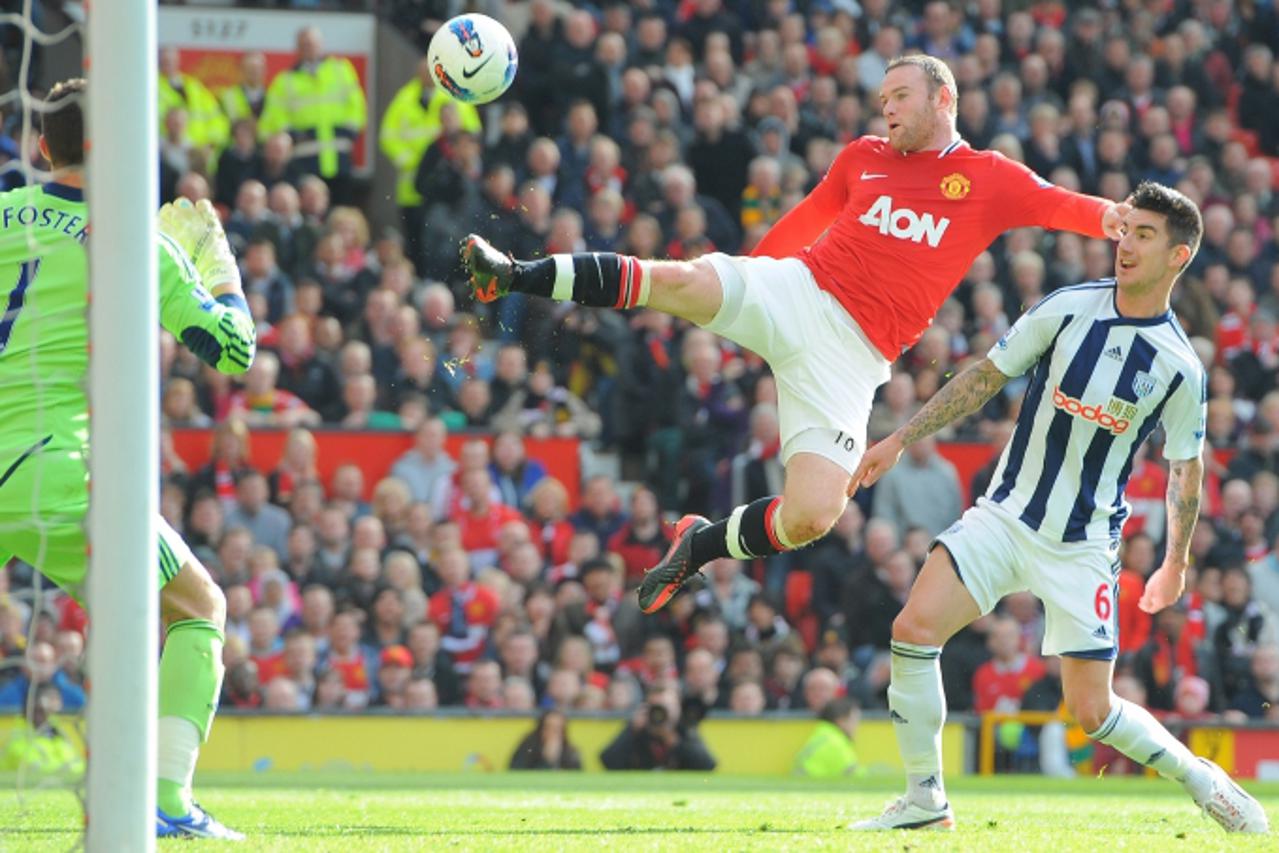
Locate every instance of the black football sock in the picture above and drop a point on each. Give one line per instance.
(595, 279)
(750, 531)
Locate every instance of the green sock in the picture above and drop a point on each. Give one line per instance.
(172, 798)
(190, 682)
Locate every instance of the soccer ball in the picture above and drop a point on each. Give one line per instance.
(473, 58)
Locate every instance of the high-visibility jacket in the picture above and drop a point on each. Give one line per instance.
(236, 104)
(827, 754)
(207, 125)
(408, 129)
(322, 107)
(43, 752)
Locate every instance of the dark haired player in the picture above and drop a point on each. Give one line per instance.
(1108, 362)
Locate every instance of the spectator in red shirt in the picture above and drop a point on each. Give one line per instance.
(464, 611)
(548, 520)
(1000, 683)
(479, 517)
(1137, 560)
(230, 457)
(610, 621)
(1167, 657)
(582, 546)
(260, 403)
(642, 540)
(447, 496)
(1147, 486)
(1232, 329)
(265, 647)
(655, 665)
(349, 658)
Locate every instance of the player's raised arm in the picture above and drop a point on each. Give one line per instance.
(805, 222)
(201, 300)
(1034, 201)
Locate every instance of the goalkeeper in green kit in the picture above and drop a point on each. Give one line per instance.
(44, 431)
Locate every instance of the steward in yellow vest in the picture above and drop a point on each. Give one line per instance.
(207, 126)
(246, 98)
(320, 103)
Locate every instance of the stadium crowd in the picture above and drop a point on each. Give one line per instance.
(671, 130)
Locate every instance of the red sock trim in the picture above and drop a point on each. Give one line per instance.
(637, 281)
(624, 286)
(768, 525)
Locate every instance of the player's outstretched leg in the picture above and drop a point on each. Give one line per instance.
(596, 279)
(814, 498)
(194, 613)
(939, 605)
(1132, 730)
(688, 289)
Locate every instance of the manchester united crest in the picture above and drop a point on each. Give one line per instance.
(955, 186)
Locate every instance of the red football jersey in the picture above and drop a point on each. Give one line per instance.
(890, 235)
(464, 642)
(1000, 688)
(1134, 623)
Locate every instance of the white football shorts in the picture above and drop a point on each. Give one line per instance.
(996, 554)
(826, 370)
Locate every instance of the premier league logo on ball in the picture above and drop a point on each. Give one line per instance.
(466, 34)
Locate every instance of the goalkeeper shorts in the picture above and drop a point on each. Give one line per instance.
(43, 510)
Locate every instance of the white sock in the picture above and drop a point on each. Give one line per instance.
(1131, 729)
(917, 707)
(177, 748)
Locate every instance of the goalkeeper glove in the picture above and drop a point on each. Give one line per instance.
(197, 229)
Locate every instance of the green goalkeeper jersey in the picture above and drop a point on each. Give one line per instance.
(44, 336)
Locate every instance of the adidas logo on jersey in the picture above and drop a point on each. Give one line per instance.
(1101, 634)
(1096, 414)
(904, 223)
(1116, 353)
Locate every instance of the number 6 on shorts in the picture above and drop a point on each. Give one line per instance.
(1101, 601)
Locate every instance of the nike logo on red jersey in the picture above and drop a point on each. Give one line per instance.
(870, 176)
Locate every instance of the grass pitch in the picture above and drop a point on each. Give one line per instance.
(664, 811)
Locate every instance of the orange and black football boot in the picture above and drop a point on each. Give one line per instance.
(661, 582)
(491, 272)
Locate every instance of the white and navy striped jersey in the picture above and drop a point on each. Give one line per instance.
(1100, 383)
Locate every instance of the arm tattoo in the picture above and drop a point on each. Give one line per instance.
(1185, 477)
(960, 397)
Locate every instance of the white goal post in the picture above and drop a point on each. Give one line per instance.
(122, 191)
